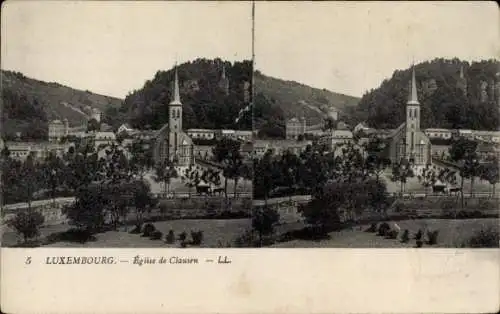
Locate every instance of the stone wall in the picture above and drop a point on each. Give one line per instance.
(50, 209)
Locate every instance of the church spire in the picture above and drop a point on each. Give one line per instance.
(177, 98)
(413, 98)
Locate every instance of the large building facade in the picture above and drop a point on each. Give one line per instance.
(171, 143)
(408, 141)
(295, 127)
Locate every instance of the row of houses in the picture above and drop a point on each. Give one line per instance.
(205, 134)
(438, 133)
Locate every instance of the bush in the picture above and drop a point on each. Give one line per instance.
(196, 237)
(71, 235)
(372, 228)
(484, 238)
(383, 229)
(391, 234)
(183, 244)
(148, 230)
(182, 236)
(170, 238)
(432, 237)
(156, 235)
(405, 237)
(27, 224)
(419, 243)
(418, 235)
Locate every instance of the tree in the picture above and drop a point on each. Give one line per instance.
(165, 172)
(52, 172)
(290, 167)
(30, 177)
(93, 125)
(429, 176)
(27, 223)
(376, 161)
(227, 152)
(264, 180)
(264, 220)
(401, 171)
(142, 158)
(192, 177)
(87, 213)
(490, 173)
(463, 152)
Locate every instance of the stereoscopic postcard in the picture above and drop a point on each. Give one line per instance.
(250, 157)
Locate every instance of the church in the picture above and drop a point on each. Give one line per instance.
(172, 144)
(408, 141)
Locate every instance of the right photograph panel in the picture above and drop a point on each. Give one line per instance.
(376, 125)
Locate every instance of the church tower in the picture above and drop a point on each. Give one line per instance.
(224, 81)
(412, 117)
(175, 108)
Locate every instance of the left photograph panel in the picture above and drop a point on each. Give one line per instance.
(126, 124)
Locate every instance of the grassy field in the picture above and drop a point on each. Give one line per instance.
(451, 234)
(214, 231)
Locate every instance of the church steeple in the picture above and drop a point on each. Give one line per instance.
(177, 97)
(413, 97)
(175, 107)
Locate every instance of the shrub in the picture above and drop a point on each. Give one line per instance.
(419, 243)
(484, 238)
(391, 234)
(405, 237)
(182, 236)
(148, 230)
(183, 244)
(418, 235)
(156, 235)
(71, 235)
(372, 228)
(170, 238)
(196, 237)
(27, 224)
(383, 229)
(432, 237)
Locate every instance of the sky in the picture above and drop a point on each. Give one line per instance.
(113, 47)
(351, 47)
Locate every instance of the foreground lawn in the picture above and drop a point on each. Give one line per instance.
(223, 230)
(452, 233)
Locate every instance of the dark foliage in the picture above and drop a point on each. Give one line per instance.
(383, 229)
(170, 237)
(148, 230)
(205, 103)
(196, 237)
(405, 237)
(488, 238)
(27, 224)
(432, 236)
(443, 102)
